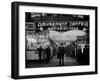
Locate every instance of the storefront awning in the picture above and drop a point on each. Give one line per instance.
(65, 36)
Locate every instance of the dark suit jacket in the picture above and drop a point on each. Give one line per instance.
(61, 51)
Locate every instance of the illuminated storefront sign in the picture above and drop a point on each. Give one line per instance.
(63, 23)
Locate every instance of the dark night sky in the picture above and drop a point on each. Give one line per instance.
(56, 17)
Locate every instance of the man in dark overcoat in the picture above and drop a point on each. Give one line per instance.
(60, 55)
(48, 54)
(40, 53)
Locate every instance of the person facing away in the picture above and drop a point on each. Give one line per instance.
(67, 50)
(60, 55)
(86, 55)
(40, 53)
(79, 55)
(48, 52)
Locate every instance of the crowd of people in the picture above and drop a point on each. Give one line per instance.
(62, 50)
(83, 57)
(46, 53)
